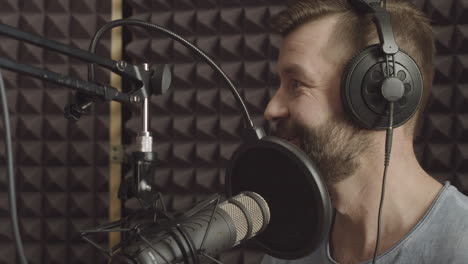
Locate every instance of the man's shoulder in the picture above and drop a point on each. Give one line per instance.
(454, 214)
(454, 204)
(449, 211)
(446, 225)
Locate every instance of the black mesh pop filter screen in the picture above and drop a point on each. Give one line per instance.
(293, 189)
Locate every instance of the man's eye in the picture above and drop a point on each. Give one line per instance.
(296, 84)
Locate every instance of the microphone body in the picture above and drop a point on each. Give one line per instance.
(234, 221)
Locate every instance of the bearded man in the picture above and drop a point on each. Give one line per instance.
(424, 221)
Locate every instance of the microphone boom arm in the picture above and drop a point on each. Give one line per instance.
(105, 92)
(114, 66)
(147, 80)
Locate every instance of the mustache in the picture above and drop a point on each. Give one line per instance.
(287, 130)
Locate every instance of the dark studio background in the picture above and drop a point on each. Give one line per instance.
(62, 168)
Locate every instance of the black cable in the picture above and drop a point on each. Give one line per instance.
(11, 176)
(174, 36)
(388, 150)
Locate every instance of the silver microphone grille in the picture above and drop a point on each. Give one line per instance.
(255, 208)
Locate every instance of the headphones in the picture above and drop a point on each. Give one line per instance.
(379, 74)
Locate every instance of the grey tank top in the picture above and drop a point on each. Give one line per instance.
(440, 237)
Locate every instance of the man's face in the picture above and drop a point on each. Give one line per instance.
(307, 106)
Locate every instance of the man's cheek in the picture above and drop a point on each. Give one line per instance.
(302, 119)
(311, 118)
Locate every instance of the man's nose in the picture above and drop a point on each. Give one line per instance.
(277, 108)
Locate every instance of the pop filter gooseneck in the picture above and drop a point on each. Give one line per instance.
(201, 54)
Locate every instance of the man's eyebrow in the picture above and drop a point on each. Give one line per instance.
(297, 70)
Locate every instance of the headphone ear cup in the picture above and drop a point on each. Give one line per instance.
(361, 88)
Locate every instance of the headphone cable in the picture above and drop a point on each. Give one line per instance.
(388, 149)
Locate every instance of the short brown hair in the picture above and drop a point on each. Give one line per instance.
(412, 30)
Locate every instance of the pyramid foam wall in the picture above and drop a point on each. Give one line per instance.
(61, 167)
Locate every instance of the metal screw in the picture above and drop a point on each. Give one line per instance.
(135, 99)
(121, 65)
(144, 186)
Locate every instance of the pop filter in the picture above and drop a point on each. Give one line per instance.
(299, 202)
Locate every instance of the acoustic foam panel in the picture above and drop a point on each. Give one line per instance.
(197, 126)
(61, 167)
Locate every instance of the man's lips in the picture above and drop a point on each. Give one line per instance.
(288, 134)
(295, 141)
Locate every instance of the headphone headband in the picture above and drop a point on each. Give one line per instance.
(365, 6)
(382, 19)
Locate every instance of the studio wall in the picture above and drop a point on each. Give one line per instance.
(62, 168)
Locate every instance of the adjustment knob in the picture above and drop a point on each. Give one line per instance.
(393, 89)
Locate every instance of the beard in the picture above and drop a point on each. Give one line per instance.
(335, 147)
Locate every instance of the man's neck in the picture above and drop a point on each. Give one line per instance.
(409, 192)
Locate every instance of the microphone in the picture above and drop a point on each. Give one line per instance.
(234, 221)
